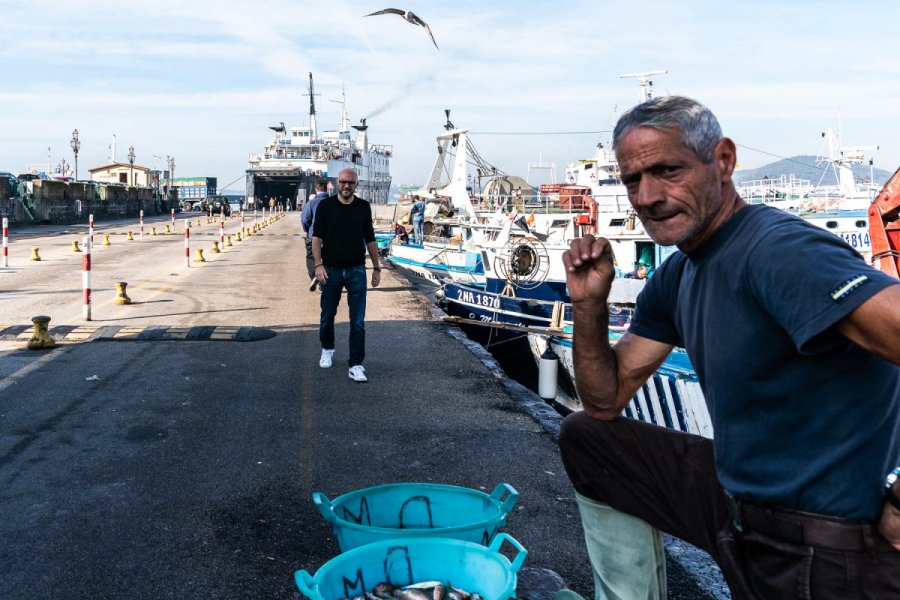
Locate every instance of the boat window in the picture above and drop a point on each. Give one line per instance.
(616, 222)
(588, 166)
(861, 223)
(831, 224)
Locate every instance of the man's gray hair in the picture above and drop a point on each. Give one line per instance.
(699, 128)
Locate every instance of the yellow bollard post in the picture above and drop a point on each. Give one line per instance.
(198, 222)
(75, 247)
(168, 230)
(208, 220)
(153, 231)
(239, 237)
(215, 248)
(198, 257)
(34, 253)
(106, 240)
(41, 338)
(228, 241)
(121, 296)
(130, 237)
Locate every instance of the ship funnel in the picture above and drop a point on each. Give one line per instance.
(362, 135)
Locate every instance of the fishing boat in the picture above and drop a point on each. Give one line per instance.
(296, 157)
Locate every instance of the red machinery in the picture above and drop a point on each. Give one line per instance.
(884, 227)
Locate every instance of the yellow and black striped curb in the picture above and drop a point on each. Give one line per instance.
(115, 333)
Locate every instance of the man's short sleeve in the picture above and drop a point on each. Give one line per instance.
(654, 312)
(808, 279)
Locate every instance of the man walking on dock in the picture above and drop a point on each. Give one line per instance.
(343, 233)
(307, 217)
(797, 495)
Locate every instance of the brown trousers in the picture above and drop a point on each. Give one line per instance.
(668, 479)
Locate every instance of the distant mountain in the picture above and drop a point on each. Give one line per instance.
(805, 167)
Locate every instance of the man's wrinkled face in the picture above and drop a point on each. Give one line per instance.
(675, 195)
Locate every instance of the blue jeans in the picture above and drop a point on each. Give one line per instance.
(419, 229)
(354, 280)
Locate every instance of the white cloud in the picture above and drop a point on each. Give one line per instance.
(203, 80)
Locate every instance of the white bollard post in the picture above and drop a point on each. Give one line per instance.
(187, 243)
(142, 224)
(86, 278)
(254, 217)
(173, 220)
(91, 227)
(222, 235)
(5, 242)
(243, 231)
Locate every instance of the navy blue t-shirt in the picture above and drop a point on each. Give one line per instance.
(803, 418)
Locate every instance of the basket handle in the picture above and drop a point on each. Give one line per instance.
(505, 537)
(511, 497)
(307, 584)
(324, 505)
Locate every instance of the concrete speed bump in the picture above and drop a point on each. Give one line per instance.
(68, 334)
(41, 339)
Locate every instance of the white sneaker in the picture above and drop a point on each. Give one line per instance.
(357, 373)
(325, 361)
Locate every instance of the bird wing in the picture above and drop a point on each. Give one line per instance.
(413, 18)
(387, 11)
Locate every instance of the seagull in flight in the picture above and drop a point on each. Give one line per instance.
(409, 16)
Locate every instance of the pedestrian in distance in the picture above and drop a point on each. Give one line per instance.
(795, 497)
(342, 234)
(307, 216)
(417, 213)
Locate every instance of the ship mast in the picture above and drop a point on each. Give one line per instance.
(644, 82)
(312, 110)
(343, 102)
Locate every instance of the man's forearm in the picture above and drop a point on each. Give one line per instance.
(317, 250)
(596, 366)
(372, 247)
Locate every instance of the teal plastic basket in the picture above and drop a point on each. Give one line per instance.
(403, 561)
(403, 510)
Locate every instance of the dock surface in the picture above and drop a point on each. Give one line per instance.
(181, 465)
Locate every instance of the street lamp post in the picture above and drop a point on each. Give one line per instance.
(131, 162)
(76, 146)
(171, 160)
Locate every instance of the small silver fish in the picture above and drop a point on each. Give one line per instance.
(384, 590)
(410, 594)
(462, 594)
(422, 585)
(371, 596)
(438, 592)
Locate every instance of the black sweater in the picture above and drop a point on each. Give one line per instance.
(344, 229)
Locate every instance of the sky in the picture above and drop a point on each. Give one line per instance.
(534, 81)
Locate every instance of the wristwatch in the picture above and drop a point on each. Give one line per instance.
(889, 493)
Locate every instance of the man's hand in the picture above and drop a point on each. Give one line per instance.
(376, 278)
(590, 269)
(889, 526)
(321, 274)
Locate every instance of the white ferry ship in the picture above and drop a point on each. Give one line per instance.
(289, 165)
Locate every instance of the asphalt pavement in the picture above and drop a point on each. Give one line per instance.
(184, 469)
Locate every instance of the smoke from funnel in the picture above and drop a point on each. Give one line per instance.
(397, 100)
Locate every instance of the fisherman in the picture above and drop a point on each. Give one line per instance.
(417, 214)
(342, 233)
(307, 216)
(795, 496)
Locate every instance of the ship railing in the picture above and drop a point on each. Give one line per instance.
(538, 203)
